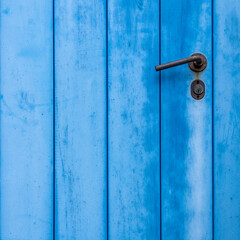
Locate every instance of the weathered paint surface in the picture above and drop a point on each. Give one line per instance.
(133, 116)
(26, 120)
(80, 81)
(227, 119)
(131, 162)
(186, 133)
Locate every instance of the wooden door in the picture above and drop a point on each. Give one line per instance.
(95, 144)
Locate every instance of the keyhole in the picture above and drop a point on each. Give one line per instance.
(198, 89)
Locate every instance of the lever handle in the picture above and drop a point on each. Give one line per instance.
(197, 63)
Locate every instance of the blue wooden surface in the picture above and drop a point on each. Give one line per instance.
(186, 136)
(80, 81)
(26, 120)
(133, 117)
(133, 152)
(227, 119)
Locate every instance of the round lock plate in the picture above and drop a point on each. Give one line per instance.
(198, 89)
(194, 66)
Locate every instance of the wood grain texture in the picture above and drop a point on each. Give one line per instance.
(111, 121)
(186, 133)
(26, 120)
(227, 119)
(134, 184)
(80, 80)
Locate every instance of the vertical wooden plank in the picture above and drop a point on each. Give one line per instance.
(227, 119)
(186, 139)
(80, 57)
(26, 119)
(133, 48)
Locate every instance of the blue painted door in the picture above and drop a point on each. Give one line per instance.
(95, 144)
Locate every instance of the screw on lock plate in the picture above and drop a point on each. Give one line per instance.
(198, 89)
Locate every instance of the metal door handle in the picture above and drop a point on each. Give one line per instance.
(197, 63)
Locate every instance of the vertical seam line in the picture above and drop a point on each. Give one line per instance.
(54, 121)
(107, 178)
(213, 197)
(160, 117)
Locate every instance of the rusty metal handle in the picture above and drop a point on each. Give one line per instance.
(197, 63)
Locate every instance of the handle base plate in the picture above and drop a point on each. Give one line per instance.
(198, 67)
